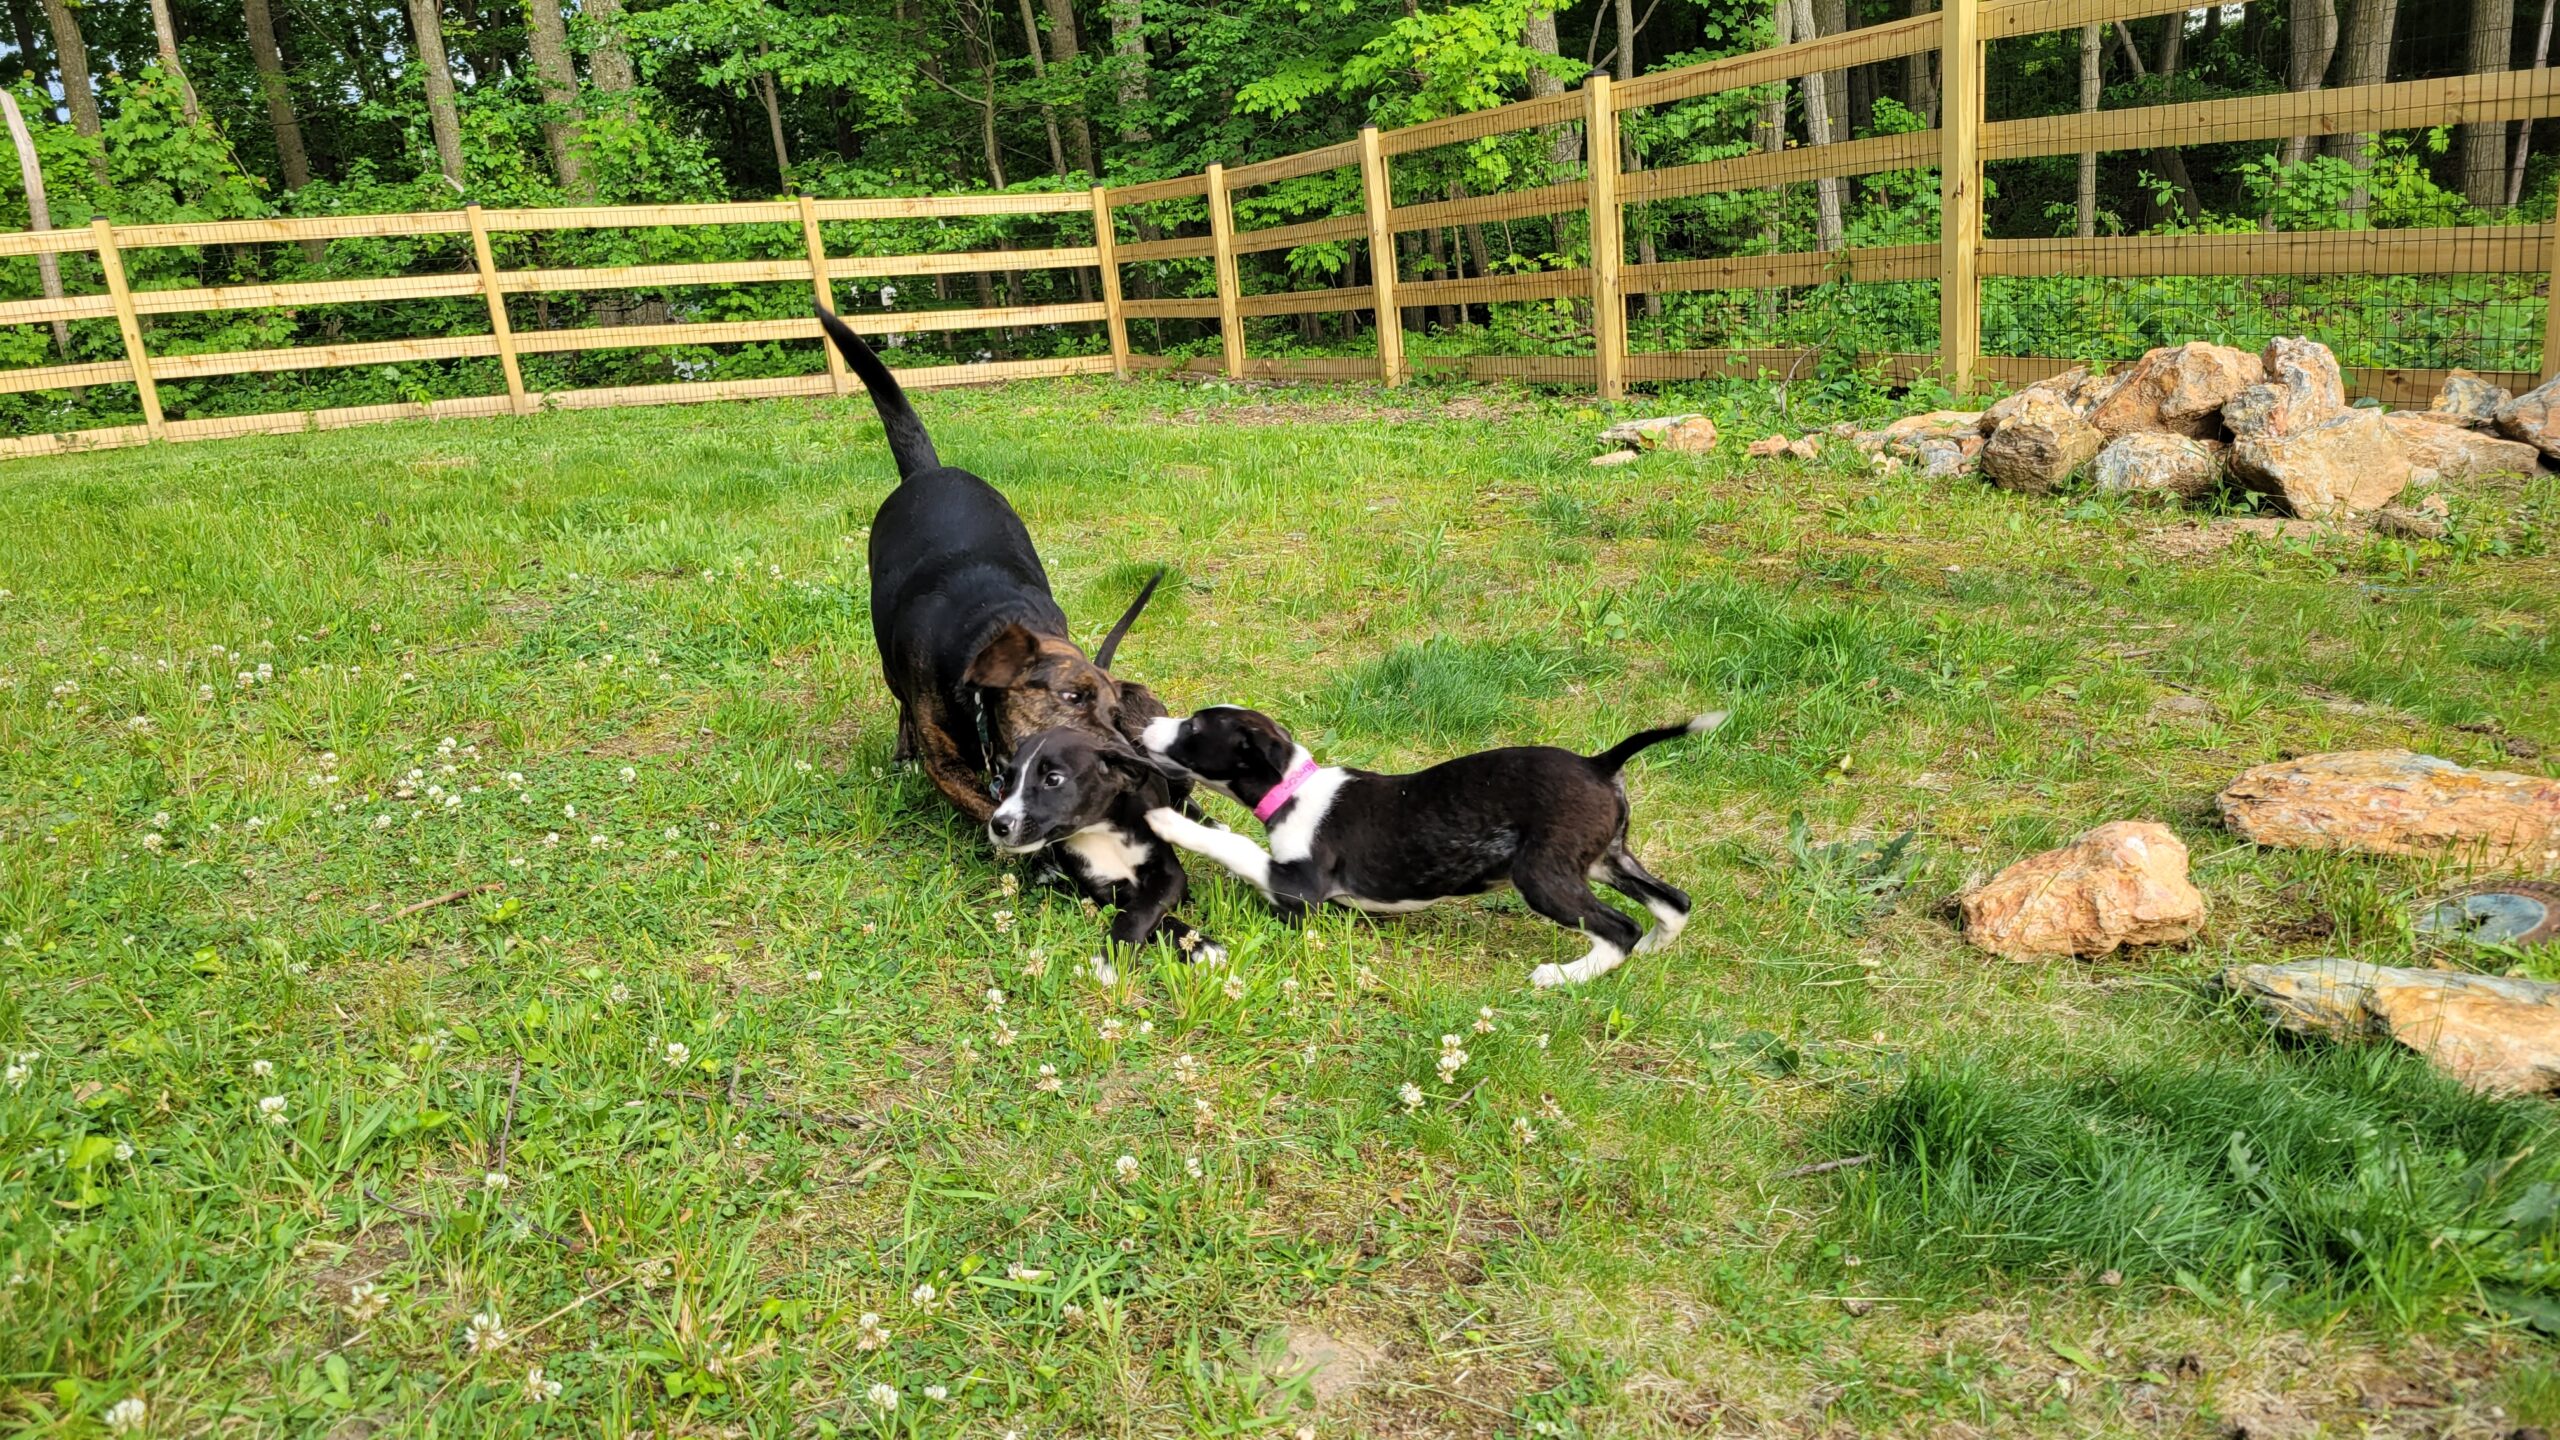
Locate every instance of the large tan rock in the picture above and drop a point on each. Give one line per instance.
(1688, 434)
(2039, 445)
(2074, 387)
(2303, 389)
(2121, 884)
(2398, 802)
(2343, 465)
(2491, 1032)
(2456, 453)
(2534, 418)
(2466, 399)
(2179, 389)
(2158, 464)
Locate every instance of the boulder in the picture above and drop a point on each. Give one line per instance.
(2534, 418)
(2491, 1032)
(2039, 445)
(1689, 434)
(2153, 463)
(2341, 465)
(1806, 448)
(1766, 446)
(2303, 389)
(2074, 387)
(2455, 453)
(1937, 424)
(2397, 802)
(2467, 400)
(2429, 519)
(1616, 457)
(2120, 884)
(2179, 389)
(1940, 459)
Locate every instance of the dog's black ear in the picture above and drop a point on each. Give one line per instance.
(1268, 741)
(1005, 659)
(1138, 705)
(1139, 772)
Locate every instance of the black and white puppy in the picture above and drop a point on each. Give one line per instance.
(1089, 798)
(1546, 820)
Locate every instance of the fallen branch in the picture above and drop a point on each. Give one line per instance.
(1825, 1168)
(375, 1196)
(446, 898)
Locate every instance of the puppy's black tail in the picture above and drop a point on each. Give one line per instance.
(907, 440)
(1129, 617)
(1615, 758)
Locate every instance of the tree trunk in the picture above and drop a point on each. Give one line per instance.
(547, 37)
(79, 94)
(1834, 17)
(1063, 51)
(2484, 142)
(1920, 76)
(1040, 71)
(2314, 24)
(1631, 162)
(772, 98)
(2366, 61)
(987, 125)
(165, 31)
(1411, 244)
(1817, 125)
(426, 24)
(1538, 32)
(609, 62)
(1769, 128)
(2172, 165)
(39, 214)
(22, 25)
(1129, 42)
(290, 156)
(2089, 92)
(1435, 244)
(2524, 132)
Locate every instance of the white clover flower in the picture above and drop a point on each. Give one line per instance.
(381, 822)
(1410, 1094)
(1002, 920)
(1204, 1118)
(1024, 1274)
(1191, 1166)
(1048, 1080)
(138, 723)
(364, 1301)
(678, 1054)
(924, 1296)
(126, 1415)
(995, 1000)
(272, 1107)
(674, 834)
(1541, 1041)
(262, 1069)
(515, 779)
(21, 1066)
(204, 692)
(495, 1182)
(813, 976)
(1071, 1312)
(1006, 1035)
(485, 1335)
(1364, 977)
(619, 994)
(1289, 987)
(1126, 1167)
(628, 774)
(154, 842)
(883, 1397)
(124, 1150)
(869, 1333)
(1523, 1131)
(937, 1393)
(538, 1389)
(599, 842)
(1484, 1020)
(1009, 884)
(1234, 987)
(569, 811)
(1037, 964)
(1186, 1068)
(1109, 1030)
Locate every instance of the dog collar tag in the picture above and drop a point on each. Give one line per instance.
(1280, 793)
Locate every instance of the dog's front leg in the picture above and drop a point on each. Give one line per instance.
(1249, 862)
(951, 775)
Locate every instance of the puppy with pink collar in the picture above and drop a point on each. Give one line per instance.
(1545, 820)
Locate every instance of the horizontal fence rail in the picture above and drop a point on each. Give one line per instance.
(1595, 284)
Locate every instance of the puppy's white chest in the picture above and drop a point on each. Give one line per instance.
(1109, 854)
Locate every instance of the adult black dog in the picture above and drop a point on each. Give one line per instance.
(971, 641)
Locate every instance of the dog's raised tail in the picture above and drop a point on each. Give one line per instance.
(1615, 758)
(912, 448)
(1129, 617)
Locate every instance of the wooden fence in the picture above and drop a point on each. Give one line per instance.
(1958, 263)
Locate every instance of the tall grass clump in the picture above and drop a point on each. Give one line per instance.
(1450, 690)
(2339, 1180)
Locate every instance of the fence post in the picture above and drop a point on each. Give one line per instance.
(1608, 238)
(111, 260)
(2551, 310)
(824, 285)
(1222, 237)
(1106, 254)
(1960, 195)
(1377, 193)
(517, 399)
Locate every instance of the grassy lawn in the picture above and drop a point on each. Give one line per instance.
(741, 1079)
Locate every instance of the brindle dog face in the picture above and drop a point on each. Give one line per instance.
(1046, 683)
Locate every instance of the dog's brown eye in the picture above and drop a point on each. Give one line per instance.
(1079, 697)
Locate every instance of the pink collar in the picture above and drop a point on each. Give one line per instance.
(1280, 793)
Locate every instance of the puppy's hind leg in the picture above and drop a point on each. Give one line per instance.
(1567, 900)
(1621, 871)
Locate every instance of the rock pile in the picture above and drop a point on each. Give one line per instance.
(2492, 1032)
(2397, 802)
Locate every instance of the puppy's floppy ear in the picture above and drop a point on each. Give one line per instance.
(1268, 740)
(1138, 705)
(1005, 659)
(1142, 775)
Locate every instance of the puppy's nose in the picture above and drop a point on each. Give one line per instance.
(1003, 828)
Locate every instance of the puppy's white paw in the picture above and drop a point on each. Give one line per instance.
(1165, 821)
(1100, 968)
(1547, 977)
(1209, 953)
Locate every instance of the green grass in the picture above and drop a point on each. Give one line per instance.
(455, 636)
